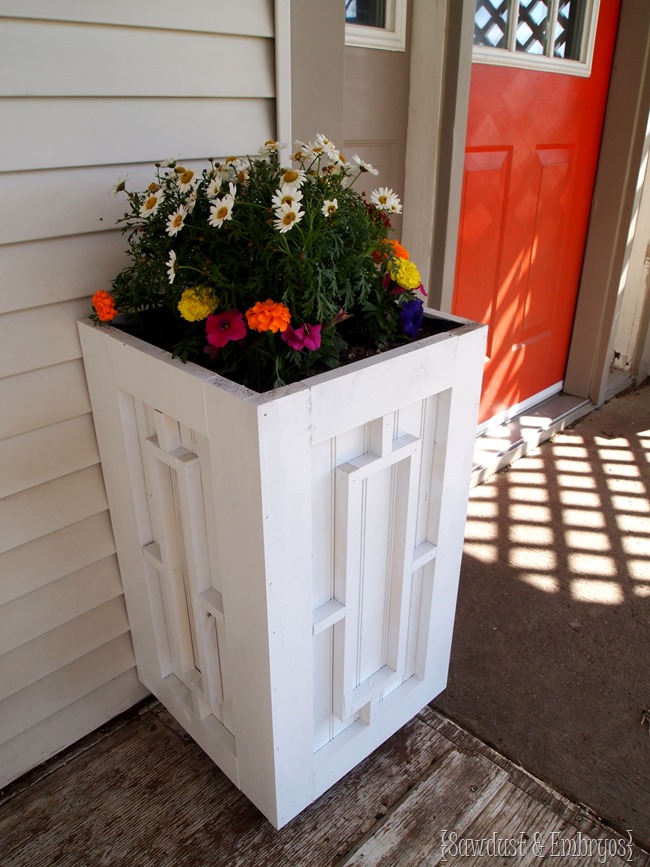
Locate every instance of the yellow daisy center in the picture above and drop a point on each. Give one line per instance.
(290, 176)
(383, 200)
(186, 177)
(151, 203)
(178, 219)
(222, 213)
(288, 218)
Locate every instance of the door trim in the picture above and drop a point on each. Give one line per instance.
(440, 74)
(613, 212)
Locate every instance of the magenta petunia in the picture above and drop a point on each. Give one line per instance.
(221, 328)
(305, 337)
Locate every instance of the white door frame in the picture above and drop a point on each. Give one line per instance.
(441, 53)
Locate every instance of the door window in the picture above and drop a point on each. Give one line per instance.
(553, 35)
(376, 24)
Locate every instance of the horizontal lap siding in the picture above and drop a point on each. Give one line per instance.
(87, 93)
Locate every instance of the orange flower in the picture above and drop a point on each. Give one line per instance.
(268, 316)
(398, 251)
(104, 306)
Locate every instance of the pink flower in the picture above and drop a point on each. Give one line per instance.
(305, 337)
(224, 327)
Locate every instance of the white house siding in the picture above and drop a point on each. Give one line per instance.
(88, 91)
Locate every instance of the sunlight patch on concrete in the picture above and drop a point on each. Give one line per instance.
(601, 592)
(545, 583)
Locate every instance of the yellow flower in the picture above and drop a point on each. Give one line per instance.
(197, 304)
(406, 274)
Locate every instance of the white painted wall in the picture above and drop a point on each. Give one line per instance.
(88, 91)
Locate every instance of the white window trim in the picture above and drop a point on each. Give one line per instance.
(521, 60)
(391, 38)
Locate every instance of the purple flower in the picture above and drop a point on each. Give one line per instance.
(222, 327)
(305, 337)
(411, 316)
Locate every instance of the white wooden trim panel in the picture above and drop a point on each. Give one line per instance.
(38, 612)
(35, 703)
(368, 385)
(58, 392)
(101, 61)
(189, 127)
(38, 743)
(283, 65)
(48, 453)
(49, 507)
(44, 654)
(42, 561)
(252, 18)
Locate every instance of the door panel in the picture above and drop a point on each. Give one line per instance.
(532, 149)
(479, 257)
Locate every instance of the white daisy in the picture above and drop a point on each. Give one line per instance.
(330, 207)
(171, 266)
(308, 151)
(364, 166)
(169, 163)
(186, 179)
(286, 195)
(176, 221)
(190, 201)
(286, 217)
(221, 210)
(213, 188)
(292, 177)
(386, 200)
(118, 186)
(152, 202)
(327, 146)
(270, 147)
(225, 171)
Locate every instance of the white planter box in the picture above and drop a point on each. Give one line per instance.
(290, 560)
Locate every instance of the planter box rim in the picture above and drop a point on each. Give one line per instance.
(245, 393)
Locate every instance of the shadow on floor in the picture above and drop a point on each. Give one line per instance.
(550, 662)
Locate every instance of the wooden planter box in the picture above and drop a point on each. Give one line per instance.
(290, 560)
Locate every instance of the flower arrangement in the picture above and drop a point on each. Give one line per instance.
(262, 271)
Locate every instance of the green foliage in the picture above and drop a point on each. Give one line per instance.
(243, 231)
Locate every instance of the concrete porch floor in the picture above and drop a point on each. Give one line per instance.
(550, 672)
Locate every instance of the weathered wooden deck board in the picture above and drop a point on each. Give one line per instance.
(455, 793)
(518, 829)
(146, 796)
(141, 792)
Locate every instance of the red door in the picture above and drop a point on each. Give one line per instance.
(533, 140)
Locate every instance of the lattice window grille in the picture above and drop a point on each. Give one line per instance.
(532, 26)
(491, 23)
(543, 28)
